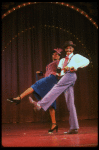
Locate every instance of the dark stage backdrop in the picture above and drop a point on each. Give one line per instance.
(29, 34)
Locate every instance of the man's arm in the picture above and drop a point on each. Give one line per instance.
(78, 61)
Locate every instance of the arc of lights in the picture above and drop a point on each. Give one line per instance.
(59, 3)
(45, 26)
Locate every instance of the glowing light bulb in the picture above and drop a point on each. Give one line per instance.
(82, 12)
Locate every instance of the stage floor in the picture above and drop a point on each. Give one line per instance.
(36, 135)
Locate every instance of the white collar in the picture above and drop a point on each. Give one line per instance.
(70, 55)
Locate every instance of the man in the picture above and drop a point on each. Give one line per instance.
(69, 66)
(42, 86)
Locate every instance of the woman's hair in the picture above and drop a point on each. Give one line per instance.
(54, 52)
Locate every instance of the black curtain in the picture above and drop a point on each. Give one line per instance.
(29, 34)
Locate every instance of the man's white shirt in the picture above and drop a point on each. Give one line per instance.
(77, 61)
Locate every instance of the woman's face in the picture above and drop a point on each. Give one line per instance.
(55, 56)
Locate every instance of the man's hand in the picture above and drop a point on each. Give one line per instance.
(72, 69)
(66, 69)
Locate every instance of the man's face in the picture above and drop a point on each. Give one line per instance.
(69, 50)
(55, 56)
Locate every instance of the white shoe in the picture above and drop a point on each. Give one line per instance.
(36, 105)
(31, 100)
(72, 131)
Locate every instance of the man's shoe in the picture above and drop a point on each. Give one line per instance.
(35, 104)
(72, 131)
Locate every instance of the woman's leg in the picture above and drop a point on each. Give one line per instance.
(52, 114)
(25, 93)
(51, 111)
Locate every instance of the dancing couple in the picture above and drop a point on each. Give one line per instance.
(67, 74)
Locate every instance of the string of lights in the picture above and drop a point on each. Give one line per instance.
(59, 3)
(49, 26)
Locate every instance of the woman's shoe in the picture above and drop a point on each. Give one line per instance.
(12, 100)
(55, 128)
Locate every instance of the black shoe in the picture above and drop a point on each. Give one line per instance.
(72, 131)
(55, 128)
(14, 100)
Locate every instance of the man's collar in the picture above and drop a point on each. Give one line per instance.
(70, 55)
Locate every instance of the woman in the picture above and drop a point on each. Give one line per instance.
(43, 86)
